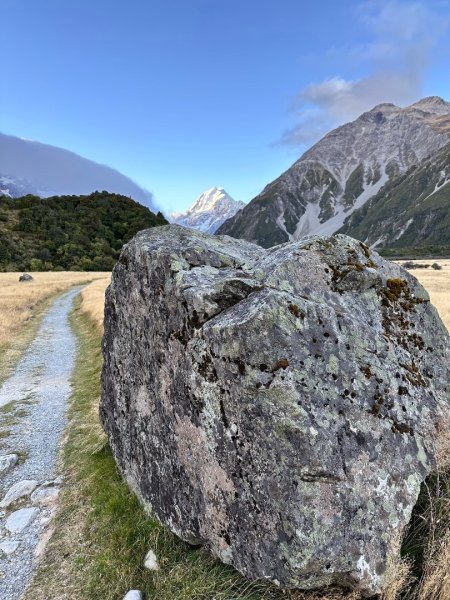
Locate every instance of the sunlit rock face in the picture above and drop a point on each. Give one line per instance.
(281, 407)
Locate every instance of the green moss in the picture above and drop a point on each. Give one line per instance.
(365, 248)
(395, 289)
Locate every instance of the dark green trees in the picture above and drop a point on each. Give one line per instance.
(83, 233)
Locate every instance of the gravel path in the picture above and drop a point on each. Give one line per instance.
(33, 404)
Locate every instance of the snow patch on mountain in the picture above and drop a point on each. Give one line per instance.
(336, 222)
(343, 171)
(209, 211)
(13, 187)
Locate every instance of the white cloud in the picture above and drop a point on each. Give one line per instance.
(402, 35)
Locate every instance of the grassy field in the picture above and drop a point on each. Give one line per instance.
(102, 535)
(21, 305)
(437, 283)
(93, 300)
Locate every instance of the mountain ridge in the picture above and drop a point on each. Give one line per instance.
(342, 171)
(410, 212)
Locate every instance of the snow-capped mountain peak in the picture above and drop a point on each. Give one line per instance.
(209, 211)
(210, 200)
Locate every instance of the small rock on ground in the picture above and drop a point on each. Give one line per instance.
(133, 595)
(151, 562)
(8, 547)
(7, 462)
(20, 519)
(18, 490)
(45, 496)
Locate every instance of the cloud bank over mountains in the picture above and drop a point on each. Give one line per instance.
(401, 36)
(48, 170)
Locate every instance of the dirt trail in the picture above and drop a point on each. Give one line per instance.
(33, 404)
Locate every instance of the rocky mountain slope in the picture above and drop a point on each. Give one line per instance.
(411, 214)
(209, 211)
(342, 172)
(28, 167)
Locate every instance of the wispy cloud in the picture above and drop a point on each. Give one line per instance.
(402, 35)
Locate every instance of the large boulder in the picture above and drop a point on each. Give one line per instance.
(280, 406)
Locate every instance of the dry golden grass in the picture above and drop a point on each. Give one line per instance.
(437, 284)
(435, 584)
(93, 300)
(22, 303)
(18, 301)
(398, 573)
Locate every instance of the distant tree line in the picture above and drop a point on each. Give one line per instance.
(78, 233)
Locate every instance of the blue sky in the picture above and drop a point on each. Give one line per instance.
(184, 95)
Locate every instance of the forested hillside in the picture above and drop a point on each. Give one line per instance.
(82, 233)
(410, 216)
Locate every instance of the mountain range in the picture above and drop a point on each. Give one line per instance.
(383, 178)
(374, 178)
(28, 167)
(209, 211)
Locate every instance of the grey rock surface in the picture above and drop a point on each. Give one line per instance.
(20, 519)
(25, 277)
(9, 547)
(280, 406)
(133, 595)
(19, 490)
(7, 462)
(45, 495)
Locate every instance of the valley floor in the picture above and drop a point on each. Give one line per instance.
(437, 283)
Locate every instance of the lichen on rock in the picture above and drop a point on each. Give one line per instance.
(280, 406)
